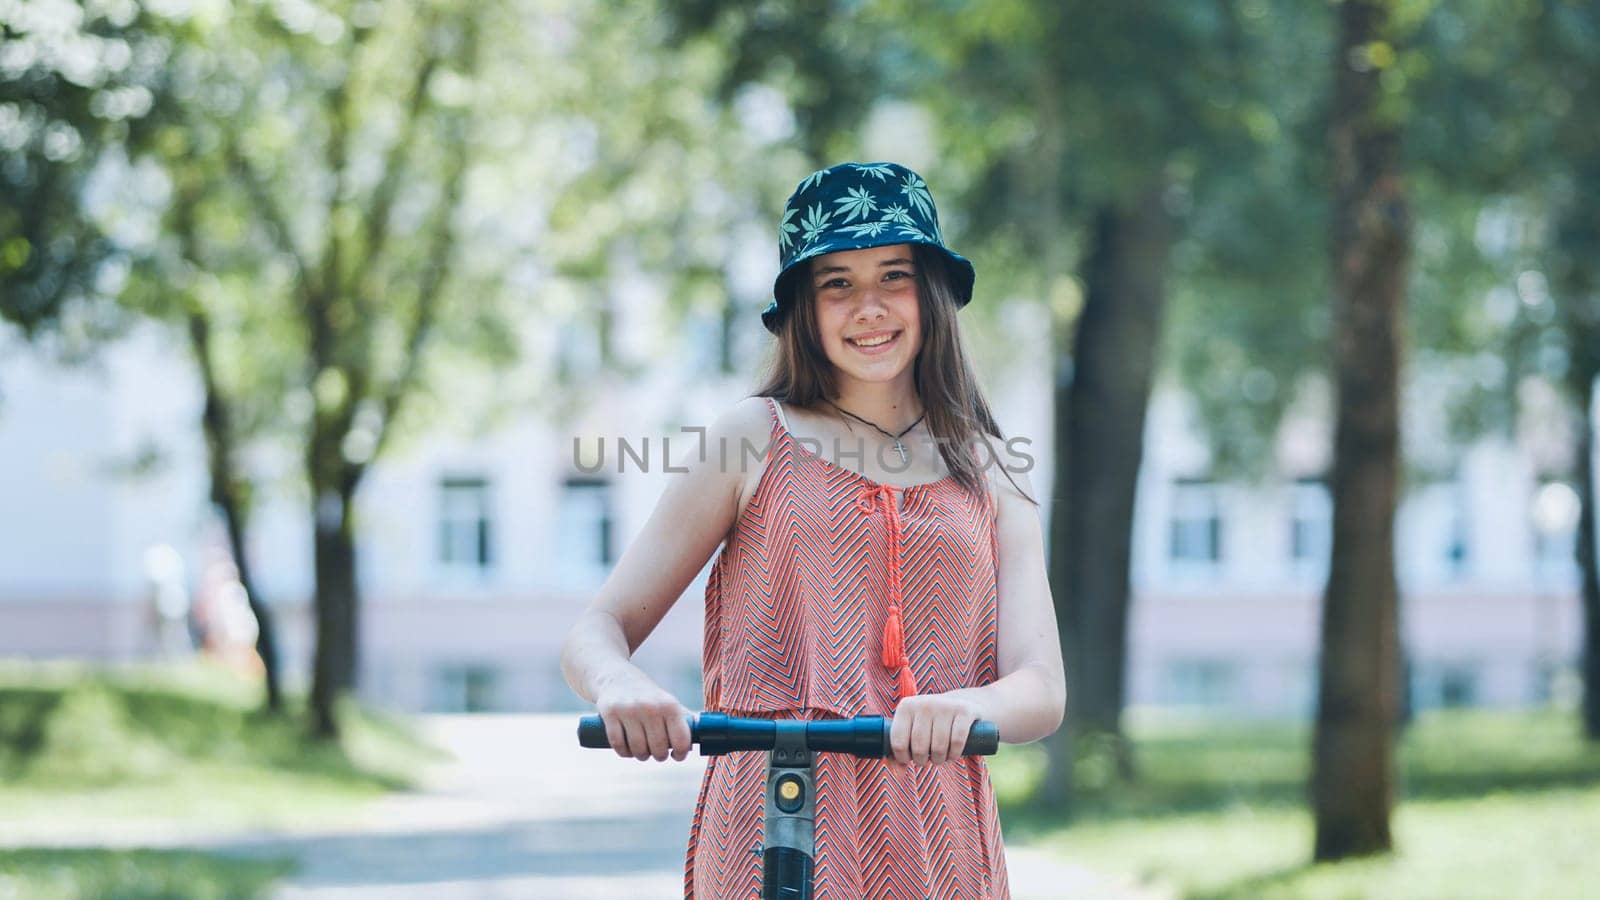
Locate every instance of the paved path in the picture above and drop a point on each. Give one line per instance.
(523, 812)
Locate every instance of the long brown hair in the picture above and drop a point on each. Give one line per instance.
(957, 413)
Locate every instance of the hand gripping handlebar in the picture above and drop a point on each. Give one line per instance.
(863, 736)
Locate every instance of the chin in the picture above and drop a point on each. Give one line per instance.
(874, 374)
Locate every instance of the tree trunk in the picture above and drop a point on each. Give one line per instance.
(233, 517)
(1589, 565)
(1358, 695)
(227, 492)
(1575, 274)
(337, 600)
(229, 489)
(1099, 431)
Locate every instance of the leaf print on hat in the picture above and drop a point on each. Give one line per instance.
(876, 170)
(866, 229)
(895, 214)
(815, 222)
(787, 230)
(915, 233)
(856, 204)
(916, 191)
(812, 180)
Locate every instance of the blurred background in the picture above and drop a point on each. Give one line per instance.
(345, 345)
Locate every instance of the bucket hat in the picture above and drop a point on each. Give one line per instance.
(853, 206)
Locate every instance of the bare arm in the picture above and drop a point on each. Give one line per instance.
(1028, 700)
(692, 517)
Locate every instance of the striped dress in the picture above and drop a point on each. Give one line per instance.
(795, 611)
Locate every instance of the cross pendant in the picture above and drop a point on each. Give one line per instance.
(900, 449)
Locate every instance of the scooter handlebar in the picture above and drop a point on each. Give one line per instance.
(863, 736)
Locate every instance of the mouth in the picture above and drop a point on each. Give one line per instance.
(875, 343)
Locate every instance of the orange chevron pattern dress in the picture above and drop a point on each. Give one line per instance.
(795, 612)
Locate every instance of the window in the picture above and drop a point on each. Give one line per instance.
(581, 349)
(584, 533)
(465, 530)
(1310, 523)
(1458, 686)
(1201, 682)
(709, 338)
(1458, 552)
(464, 688)
(1196, 522)
(1446, 685)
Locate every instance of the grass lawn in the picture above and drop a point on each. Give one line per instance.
(83, 751)
(132, 875)
(1494, 805)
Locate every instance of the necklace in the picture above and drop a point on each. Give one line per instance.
(898, 446)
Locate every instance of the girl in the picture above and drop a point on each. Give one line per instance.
(900, 574)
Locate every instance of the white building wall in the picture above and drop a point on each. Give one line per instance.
(1239, 634)
(76, 519)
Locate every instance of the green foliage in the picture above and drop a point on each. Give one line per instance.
(77, 87)
(94, 874)
(1251, 321)
(832, 59)
(153, 743)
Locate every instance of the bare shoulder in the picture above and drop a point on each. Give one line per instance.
(704, 442)
(736, 446)
(741, 433)
(750, 418)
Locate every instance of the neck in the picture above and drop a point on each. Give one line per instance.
(889, 406)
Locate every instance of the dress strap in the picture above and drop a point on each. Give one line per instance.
(777, 413)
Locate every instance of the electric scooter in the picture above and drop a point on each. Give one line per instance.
(789, 840)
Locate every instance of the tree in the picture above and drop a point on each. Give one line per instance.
(368, 291)
(75, 84)
(1090, 134)
(93, 95)
(311, 228)
(185, 282)
(1353, 763)
(1576, 283)
(1564, 49)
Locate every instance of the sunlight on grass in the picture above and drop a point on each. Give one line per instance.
(132, 875)
(1496, 805)
(180, 743)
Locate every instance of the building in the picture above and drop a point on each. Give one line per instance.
(477, 551)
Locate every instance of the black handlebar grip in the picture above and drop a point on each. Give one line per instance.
(982, 740)
(592, 733)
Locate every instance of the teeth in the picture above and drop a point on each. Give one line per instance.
(873, 342)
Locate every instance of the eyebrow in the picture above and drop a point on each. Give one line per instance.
(829, 270)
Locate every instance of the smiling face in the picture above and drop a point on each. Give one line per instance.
(869, 316)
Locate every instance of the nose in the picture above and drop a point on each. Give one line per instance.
(872, 305)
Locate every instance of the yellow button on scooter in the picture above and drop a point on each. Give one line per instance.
(790, 793)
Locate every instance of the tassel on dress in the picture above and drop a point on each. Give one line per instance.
(894, 653)
(894, 636)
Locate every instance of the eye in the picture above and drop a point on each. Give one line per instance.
(834, 283)
(896, 275)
